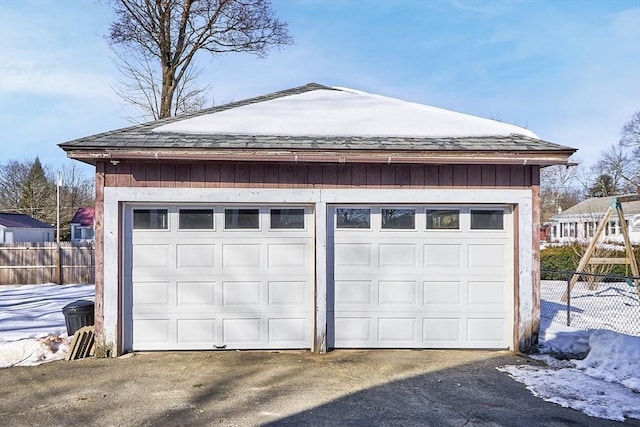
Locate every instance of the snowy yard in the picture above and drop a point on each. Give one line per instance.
(605, 384)
(612, 306)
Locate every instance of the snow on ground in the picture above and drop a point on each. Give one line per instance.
(605, 384)
(32, 325)
(613, 306)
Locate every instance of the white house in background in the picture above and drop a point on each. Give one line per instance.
(579, 222)
(15, 228)
(82, 225)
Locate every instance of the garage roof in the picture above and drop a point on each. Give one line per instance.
(316, 119)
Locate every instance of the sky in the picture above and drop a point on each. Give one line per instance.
(604, 384)
(569, 70)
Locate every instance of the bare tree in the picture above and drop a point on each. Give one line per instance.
(13, 174)
(631, 139)
(615, 171)
(156, 42)
(559, 189)
(631, 131)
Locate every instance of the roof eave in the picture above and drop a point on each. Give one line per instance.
(541, 158)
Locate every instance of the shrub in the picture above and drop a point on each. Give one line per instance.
(556, 262)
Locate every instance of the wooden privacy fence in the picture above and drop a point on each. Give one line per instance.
(46, 262)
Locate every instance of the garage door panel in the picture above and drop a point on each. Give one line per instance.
(441, 330)
(196, 294)
(287, 292)
(397, 255)
(353, 329)
(353, 292)
(397, 293)
(487, 255)
(486, 293)
(245, 255)
(196, 330)
(442, 292)
(151, 256)
(151, 293)
(353, 255)
(289, 330)
(242, 330)
(397, 329)
(241, 293)
(442, 255)
(195, 255)
(287, 255)
(152, 330)
(485, 330)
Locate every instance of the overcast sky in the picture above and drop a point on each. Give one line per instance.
(569, 70)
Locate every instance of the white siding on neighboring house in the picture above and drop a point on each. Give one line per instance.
(579, 223)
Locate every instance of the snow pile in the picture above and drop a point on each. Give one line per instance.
(32, 326)
(606, 384)
(614, 358)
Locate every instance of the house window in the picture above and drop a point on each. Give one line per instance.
(77, 233)
(150, 219)
(487, 219)
(195, 219)
(236, 219)
(88, 233)
(399, 219)
(443, 219)
(287, 219)
(353, 218)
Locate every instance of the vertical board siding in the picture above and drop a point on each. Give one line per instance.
(318, 175)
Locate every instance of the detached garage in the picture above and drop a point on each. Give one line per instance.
(317, 218)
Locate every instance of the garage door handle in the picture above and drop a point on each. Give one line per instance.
(220, 346)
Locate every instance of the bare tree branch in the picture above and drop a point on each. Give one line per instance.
(160, 39)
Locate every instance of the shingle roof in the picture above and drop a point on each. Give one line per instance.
(147, 137)
(84, 216)
(17, 220)
(597, 206)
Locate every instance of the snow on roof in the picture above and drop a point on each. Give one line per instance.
(17, 220)
(341, 112)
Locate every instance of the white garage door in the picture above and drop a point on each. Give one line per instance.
(422, 276)
(205, 277)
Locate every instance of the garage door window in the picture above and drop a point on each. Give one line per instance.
(150, 219)
(196, 219)
(441, 219)
(398, 219)
(241, 219)
(487, 219)
(287, 219)
(353, 218)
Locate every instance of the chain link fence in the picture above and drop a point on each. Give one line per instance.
(597, 301)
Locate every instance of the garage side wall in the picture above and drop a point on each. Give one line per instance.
(212, 175)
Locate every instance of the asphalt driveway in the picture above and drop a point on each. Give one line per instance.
(232, 388)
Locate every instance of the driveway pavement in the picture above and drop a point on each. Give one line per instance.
(231, 388)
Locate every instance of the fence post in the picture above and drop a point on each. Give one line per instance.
(569, 299)
(58, 264)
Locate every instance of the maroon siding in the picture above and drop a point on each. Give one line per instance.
(273, 175)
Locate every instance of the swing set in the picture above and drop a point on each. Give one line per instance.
(629, 258)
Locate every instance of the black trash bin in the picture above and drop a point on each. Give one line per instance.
(78, 314)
